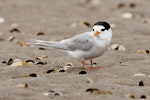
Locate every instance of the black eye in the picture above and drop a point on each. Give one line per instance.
(93, 29)
(102, 29)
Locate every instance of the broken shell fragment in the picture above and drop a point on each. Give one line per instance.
(143, 51)
(107, 92)
(22, 44)
(89, 80)
(62, 70)
(29, 61)
(4, 62)
(22, 85)
(46, 94)
(130, 96)
(68, 66)
(93, 91)
(121, 5)
(42, 57)
(118, 47)
(127, 15)
(11, 38)
(41, 63)
(42, 49)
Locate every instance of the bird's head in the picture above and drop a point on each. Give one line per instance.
(102, 30)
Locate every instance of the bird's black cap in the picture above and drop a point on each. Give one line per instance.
(105, 24)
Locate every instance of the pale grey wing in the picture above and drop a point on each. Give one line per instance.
(56, 45)
(83, 42)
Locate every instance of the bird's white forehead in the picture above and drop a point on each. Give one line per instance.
(98, 27)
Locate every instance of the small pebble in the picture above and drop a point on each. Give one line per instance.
(121, 5)
(132, 5)
(107, 92)
(83, 72)
(46, 94)
(127, 15)
(2, 20)
(141, 83)
(85, 23)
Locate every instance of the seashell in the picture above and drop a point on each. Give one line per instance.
(141, 83)
(130, 96)
(82, 72)
(89, 80)
(58, 94)
(93, 91)
(22, 85)
(118, 47)
(127, 15)
(14, 25)
(143, 51)
(16, 30)
(40, 33)
(2, 20)
(68, 66)
(17, 64)
(10, 38)
(10, 61)
(74, 25)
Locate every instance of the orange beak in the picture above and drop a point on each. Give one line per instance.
(96, 33)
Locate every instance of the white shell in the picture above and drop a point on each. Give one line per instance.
(127, 15)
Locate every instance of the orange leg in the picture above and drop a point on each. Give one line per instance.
(83, 65)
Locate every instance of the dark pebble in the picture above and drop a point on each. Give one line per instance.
(10, 61)
(49, 71)
(42, 49)
(33, 75)
(62, 71)
(132, 5)
(141, 83)
(143, 97)
(83, 72)
(4, 62)
(40, 33)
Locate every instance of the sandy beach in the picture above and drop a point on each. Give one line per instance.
(38, 74)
